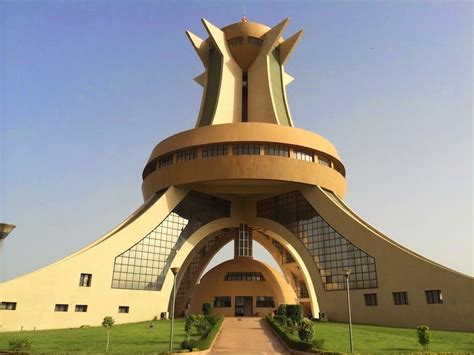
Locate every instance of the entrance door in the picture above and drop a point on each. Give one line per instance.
(243, 306)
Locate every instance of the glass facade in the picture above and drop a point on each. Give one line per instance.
(196, 265)
(286, 257)
(144, 266)
(330, 250)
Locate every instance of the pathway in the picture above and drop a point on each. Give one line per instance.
(247, 335)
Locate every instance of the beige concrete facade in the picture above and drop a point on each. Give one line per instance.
(286, 184)
(213, 285)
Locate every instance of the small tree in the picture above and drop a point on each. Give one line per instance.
(295, 312)
(305, 330)
(424, 336)
(107, 323)
(207, 308)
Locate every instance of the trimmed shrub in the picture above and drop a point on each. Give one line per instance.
(281, 310)
(305, 330)
(207, 308)
(280, 319)
(189, 344)
(20, 345)
(189, 322)
(295, 312)
(424, 336)
(212, 319)
(289, 323)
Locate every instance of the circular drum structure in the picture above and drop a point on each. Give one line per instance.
(236, 155)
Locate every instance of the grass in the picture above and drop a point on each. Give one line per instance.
(129, 338)
(368, 338)
(381, 340)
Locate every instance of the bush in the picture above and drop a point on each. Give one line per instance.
(20, 344)
(289, 323)
(189, 322)
(424, 336)
(189, 344)
(207, 308)
(212, 319)
(280, 319)
(295, 312)
(292, 343)
(281, 310)
(305, 330)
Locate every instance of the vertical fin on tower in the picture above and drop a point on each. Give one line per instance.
(267, 78)
(222, 98)
(287, 46)
(200, 46)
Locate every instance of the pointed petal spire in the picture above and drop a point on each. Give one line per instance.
(200, 46)
(201, 79)
(271, 38)
(287, 78)
(217, 36)
(287, 47)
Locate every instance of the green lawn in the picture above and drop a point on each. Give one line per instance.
(125, 338)
(376, 339)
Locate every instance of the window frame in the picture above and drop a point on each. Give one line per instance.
(223, 302)
(370, 299)
(434, 296)
(123, 309)
(89, 280)
(400, 298)
(61, 307)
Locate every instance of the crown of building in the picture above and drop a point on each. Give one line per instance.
(244, 78)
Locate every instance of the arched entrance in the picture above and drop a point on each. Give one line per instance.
(295, 273)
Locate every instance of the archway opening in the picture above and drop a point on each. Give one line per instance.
(250, 284)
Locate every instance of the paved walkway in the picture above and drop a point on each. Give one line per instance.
(247, 335)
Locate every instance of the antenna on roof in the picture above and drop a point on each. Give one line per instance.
(245, 18)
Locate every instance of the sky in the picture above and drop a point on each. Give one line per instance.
(88, 88)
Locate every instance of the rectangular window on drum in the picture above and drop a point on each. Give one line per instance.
(434, 296)
(85, 280)
(61, 307)
(400, 298)
(7, 306)
(370, 299)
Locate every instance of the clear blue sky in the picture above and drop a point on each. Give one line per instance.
(89, 87)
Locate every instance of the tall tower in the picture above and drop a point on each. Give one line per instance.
(244, 113)
(244, 78)
(244, 173)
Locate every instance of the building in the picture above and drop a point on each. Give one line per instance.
(243, 173)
